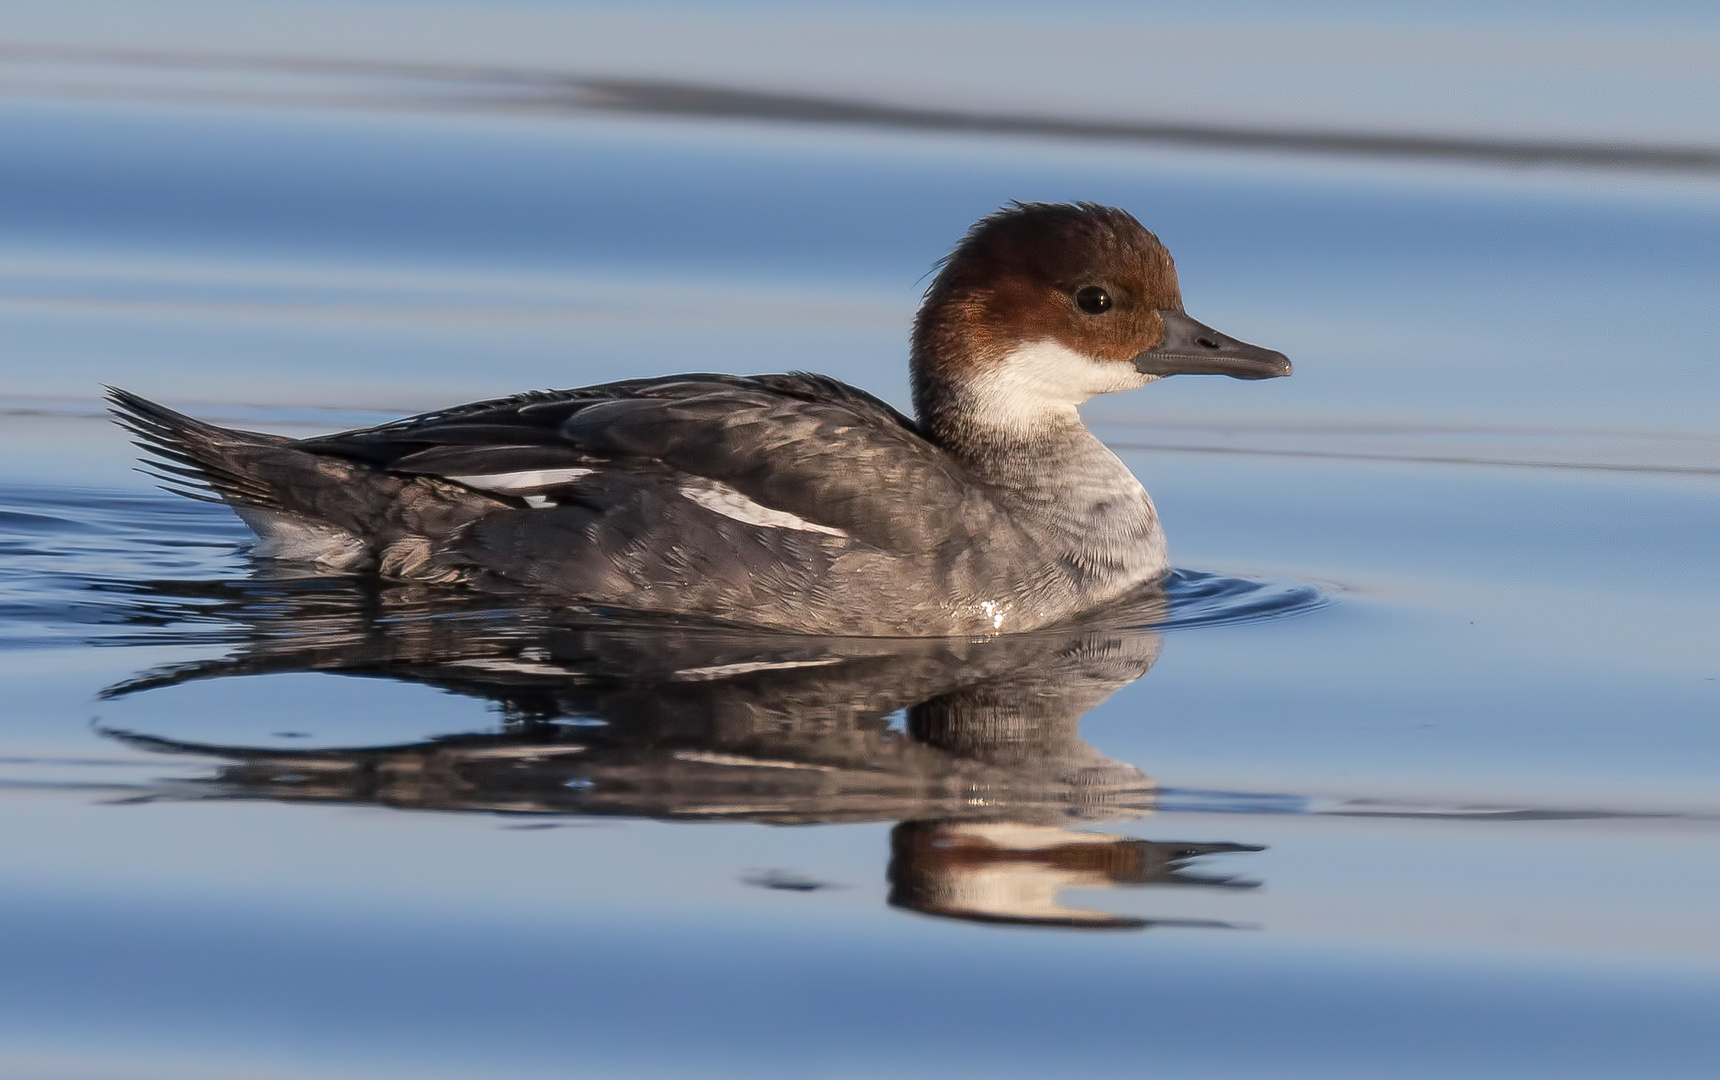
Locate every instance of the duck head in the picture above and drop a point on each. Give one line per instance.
(1044, 305)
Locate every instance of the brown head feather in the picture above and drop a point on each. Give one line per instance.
(1013, 278)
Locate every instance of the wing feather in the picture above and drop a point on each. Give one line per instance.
(801, 445)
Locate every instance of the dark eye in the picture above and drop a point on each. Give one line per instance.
(1093, 300)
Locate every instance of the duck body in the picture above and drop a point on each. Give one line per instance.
(792, 502)
(789, 501)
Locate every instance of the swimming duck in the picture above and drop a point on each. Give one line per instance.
(792, 502)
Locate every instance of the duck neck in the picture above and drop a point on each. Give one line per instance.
(1023, 457)
(1032, 448)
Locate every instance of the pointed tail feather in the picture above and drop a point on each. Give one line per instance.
(195, 459)
(305, 505)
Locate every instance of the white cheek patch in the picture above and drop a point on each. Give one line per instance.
(725, 500)
(1044, 377)
(512, 483)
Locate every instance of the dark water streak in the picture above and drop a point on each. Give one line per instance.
(499, 89)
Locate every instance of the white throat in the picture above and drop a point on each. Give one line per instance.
(1040, 383)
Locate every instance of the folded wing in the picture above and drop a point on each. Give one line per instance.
(796, 451)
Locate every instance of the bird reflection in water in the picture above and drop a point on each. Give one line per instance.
(971, 745)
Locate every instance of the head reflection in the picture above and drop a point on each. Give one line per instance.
(972, 745)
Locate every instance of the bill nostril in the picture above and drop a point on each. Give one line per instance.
(1206, 343)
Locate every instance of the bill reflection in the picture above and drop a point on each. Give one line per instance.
(971, 745)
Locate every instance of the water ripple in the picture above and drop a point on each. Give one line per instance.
(1199, 598)
(116, 568)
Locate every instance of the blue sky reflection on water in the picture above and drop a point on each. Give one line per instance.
(1504, 303)
(1482, 771)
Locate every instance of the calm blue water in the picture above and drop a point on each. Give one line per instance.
(1412, 774)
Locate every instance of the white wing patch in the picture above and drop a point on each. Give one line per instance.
(717, 498)
(723, 671)
(725, 500)
(525, 480)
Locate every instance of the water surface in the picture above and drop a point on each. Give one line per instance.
(1410, 771)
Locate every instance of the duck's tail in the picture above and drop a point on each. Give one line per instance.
(303, 506)
(200, 460)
